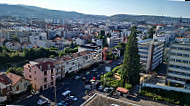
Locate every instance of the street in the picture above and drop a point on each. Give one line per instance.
(76, 86)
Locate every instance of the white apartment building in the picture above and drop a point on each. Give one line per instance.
(179, 64)
(41, 41)
(114, 41)
(76, 61)
(151, 53)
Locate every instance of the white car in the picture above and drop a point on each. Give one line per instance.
(77, 77)
(73, 98)
(42, 101)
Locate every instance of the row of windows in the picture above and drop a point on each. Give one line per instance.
(176, 78)
(141, 52)
(179, 73)
(180, 67)
(180, 61)
(143, 48)
(181, 48)
(145, 57)
(180, 54)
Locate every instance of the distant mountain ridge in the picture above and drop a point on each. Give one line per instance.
(42, 13)
(38, 12)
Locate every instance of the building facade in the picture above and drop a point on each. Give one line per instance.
(151, 53)
(179, 64)
(19, 84)
(41, 74)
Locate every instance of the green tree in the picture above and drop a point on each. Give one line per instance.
(16, 70)
(15, 38)
(144, 37)
(151, 33)
(131, 62)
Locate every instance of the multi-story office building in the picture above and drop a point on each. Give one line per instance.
(151, 53)
(179, 64)
(114, 41)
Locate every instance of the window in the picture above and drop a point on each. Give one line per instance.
(21, 81)
(188, 49)
(177, 60)
(179, 54)
(45, 72)
(185, 61)
(35, 72)
(185, 55)
(34, 78)
(180, 48)
(45, 79)
(45, 86)
(29, 70)
(17, 88)
(70, 68)
(174, 47)
(51, 71)
(51, 83)
(30, 76)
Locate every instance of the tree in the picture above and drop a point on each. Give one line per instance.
(17, 71)
(144, 37)
(15, 38)
(151, 33)
(131, 62)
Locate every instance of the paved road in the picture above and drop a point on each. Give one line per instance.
(76, 87)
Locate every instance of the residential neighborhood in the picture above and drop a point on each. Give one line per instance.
(53, 56)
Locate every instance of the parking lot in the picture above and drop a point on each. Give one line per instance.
(76, 86)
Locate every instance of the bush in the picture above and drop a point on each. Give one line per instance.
(128, 86)
(173, 97)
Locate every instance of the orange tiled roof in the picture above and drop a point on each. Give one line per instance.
(14, 78)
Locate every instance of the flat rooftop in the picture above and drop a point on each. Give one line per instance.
(102, 100)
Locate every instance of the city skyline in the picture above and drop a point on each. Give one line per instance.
(173, 8)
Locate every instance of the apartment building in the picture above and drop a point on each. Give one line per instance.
(179, 64)
(8, 34)
(41, 74)
(151, 53)
(114, 41)
(59, 66)
(76, 61)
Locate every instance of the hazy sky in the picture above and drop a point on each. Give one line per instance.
(175, 8)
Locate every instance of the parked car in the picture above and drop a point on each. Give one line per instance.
(73, 98)
(69, 101)
(106, 89)
(100, 88)
(77, 77)
(87, 73)
(42, 101)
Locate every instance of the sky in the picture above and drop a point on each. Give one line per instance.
(173, 8)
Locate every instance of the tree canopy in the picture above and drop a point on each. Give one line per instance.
(131, 62)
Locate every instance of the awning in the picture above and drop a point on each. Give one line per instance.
(123, 90)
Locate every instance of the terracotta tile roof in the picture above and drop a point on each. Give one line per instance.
(14, 78)
(75, 55)
(45, 65)
(4, 79)
(123, 90)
